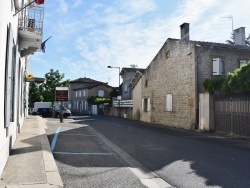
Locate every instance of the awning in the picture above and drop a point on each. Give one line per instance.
(35, 79)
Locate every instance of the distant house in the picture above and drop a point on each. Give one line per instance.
(168, 91)
(127, 74)
(83, 88)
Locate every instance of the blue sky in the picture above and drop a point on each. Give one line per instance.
(89, 35)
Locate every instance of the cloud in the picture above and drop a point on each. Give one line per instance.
(132, 32)
(66, 29)
(39, 60)
(74, 66)
(62, 6)
(77, 3)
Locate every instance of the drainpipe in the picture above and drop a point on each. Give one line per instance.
(197, 86)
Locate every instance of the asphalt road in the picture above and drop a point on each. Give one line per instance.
(83, 160)
(182, 158)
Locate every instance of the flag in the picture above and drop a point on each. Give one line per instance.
(39, 2)
(43, 44)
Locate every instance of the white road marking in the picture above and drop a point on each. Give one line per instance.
(147, 177)
(53, 144)
(81, 153)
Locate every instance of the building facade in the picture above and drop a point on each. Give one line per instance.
(83, 88)
(127, 74)
(171, 84)
(19, 38)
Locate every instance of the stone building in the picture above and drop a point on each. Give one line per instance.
(170, 86)
(83, 88)
(127, 74)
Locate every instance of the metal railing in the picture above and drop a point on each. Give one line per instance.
(31, 19)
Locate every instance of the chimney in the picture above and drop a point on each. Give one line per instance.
(185, 31)
(239, 36)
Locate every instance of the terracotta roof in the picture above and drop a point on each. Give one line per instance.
(86, 80)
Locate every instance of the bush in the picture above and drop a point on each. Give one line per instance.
(235, 82)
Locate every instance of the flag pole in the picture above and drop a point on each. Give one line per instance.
(23, 7)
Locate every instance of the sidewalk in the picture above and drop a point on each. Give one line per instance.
(31, 163)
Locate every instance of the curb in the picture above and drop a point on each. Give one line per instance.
(51, 170)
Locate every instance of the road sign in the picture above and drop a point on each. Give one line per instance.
(62, 93)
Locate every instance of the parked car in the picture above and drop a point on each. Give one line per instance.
(44, 112)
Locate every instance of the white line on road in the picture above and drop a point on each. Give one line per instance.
(53, 144)
(147, 177)
(78, 153)
(77, 134)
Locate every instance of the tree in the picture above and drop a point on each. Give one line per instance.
(95, 100)
(248, 40)
(35, 93)
(133, 65)
(53, 79)
(231, 40)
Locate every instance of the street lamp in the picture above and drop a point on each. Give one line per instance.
(118, 87)
(119, 75)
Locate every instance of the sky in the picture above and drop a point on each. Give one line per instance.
(89, 35)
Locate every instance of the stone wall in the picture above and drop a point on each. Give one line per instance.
(231, 60)
(172, 71)
(124, 112)
(137, 97)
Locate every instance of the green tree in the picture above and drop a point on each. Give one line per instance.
(133, 65)
(231, 40)
(248, 40)
(113, 93)
(53, 79)
(238, 81)
(35, 93)
(95, 100)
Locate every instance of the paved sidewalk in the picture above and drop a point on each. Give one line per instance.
(31, 163)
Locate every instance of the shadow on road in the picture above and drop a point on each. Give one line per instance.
(180, 157)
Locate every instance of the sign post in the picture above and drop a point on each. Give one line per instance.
(62, 94)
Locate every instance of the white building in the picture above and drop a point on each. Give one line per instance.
(20, 36)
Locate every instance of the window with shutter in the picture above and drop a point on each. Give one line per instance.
(169, 102)
(217, 66)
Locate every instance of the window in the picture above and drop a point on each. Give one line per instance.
(10, 71)
(243, 62)
(13, 83)
(84, 105)
(169, 102)
(100, 93)
(217, 66)
(76, 93)
(80, 93)
(84, 93)
(146, 104)
(125, 88)
(167, 54)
